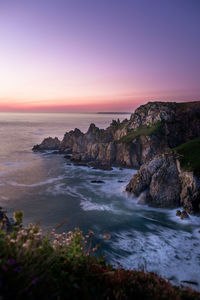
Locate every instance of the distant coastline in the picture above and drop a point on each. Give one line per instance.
(113, 113)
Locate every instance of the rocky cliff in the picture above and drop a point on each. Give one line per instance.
(162, 183)
(152, 129)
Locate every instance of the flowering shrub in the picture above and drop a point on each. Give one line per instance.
(34, 265)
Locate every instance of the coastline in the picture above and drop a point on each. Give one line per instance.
(144, 142)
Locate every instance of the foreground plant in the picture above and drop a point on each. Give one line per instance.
(34, 265)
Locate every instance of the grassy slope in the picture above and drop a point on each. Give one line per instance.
(190, 156)
(155, 128)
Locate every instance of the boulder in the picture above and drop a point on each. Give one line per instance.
(190, 193)
(184, 215)
(48, 144)
(162, 183)
(160, 179)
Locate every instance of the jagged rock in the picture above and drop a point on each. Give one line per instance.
(66, 151)
(96, 165)
(48, 144)
(81, 164)
(164, 184)
(178, 213)
(160, 179)
(76, 157)
(140, 142)
(184, 215)
(190, 193)
(127, 144)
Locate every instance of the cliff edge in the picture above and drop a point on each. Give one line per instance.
(143, 142)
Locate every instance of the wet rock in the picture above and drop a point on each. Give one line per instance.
(166, 185)
(66, 151)
(190, 193)
(67, 156)
(76, 157)
(160, 181)
(143, 198)
(142, 143)
(81, 164)
(96, 165)
(97, 181)
(178, 213)
(177, 123)
(184, 215)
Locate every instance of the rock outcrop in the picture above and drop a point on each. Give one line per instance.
(190, 192)
(48, 144)
(162, 183)
(153, 129)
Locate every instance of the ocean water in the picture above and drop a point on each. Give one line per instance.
(49, 189)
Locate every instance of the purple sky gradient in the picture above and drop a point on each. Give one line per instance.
(72, 54)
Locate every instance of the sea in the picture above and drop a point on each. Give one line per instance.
(51, 190)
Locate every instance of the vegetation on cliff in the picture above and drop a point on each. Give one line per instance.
(34, 265)
(149, 130)
(164, 124)
(190, 156)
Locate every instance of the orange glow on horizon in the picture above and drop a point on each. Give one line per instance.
(117, 105)
(70, 107)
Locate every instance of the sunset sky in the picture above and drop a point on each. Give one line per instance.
(97, 55)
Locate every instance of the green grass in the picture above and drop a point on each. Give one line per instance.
(190, 156)
(152, 129)
(34, 265)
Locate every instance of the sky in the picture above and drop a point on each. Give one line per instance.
(97, 55)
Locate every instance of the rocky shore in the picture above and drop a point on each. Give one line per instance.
(147, 141)
(162, 183)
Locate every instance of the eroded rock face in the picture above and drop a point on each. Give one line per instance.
(48, 144)
(190, 193)
(140, 142)
(162, 183)
(180, 122)
(160, 179)
(153, 112)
